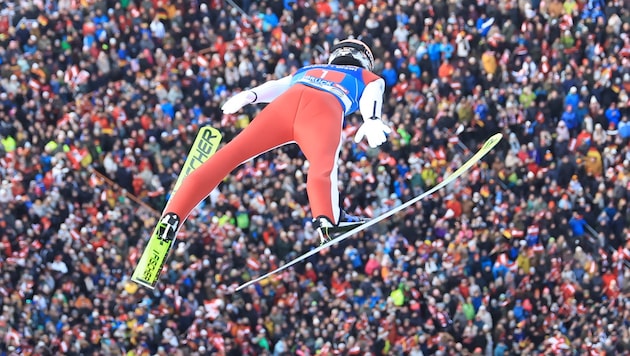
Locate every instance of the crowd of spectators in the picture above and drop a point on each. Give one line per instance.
(526, 255)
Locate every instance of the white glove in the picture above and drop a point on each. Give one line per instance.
(374, 129)
(239, 100)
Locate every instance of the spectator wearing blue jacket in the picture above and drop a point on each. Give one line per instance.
(484, 24)
(100, 17)
(519, 312)
(500, 349)
(30, 47)
(390, 75)
(414, 68)
(482, 110)
(580, 112)
(577, 224)
(270, 20)
(435, 55)
(447, 48)
(570, 119)
(288, 4)
(573, 98)
(593, 10)
(613, 115)
(168, 108)
(499, 270)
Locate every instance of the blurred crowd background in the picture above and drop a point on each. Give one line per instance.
(526, 255)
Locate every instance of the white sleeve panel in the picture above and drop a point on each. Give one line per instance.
(371, 102)
(267, 92)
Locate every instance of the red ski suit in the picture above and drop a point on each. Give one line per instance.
(306, 108)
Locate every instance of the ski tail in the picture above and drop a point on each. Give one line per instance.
(483, 151)
(151, 263)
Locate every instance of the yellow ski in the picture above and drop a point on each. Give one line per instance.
(149, 267)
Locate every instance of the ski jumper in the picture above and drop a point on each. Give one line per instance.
(307, 108)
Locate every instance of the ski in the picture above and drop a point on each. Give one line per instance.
(154, 256)
(484, 150)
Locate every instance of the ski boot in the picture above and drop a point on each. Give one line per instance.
(327, 230)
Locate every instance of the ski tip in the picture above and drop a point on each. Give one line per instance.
(492, 141)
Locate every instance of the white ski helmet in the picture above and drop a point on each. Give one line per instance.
(352, 52)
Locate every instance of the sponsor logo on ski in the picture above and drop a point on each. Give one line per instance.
(201, 151)
(151, 267)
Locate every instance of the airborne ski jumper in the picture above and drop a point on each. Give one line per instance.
(307, 108)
